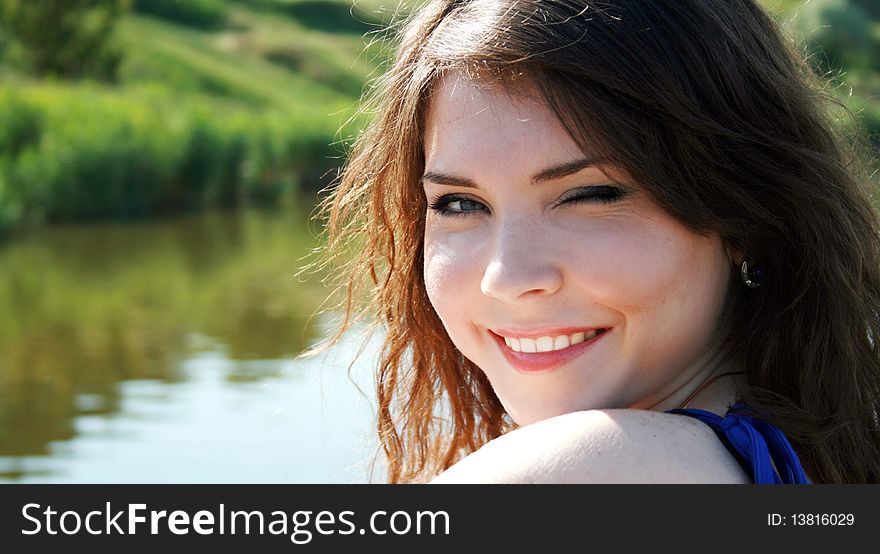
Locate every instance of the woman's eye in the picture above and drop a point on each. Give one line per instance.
(456, 205)
(606, 194)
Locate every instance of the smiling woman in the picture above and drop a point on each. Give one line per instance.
(520, 258)
(612, 242)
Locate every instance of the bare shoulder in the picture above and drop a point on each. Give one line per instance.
(603, 446)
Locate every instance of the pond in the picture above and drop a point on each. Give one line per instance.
(166, 351)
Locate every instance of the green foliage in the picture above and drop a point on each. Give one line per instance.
(203, 14)
(868, 118)
(841, 33)
(87, 153)
(337, 17)
(188, 61)
(21, 124)
(9, 213)
(21, 127)
(197, 119)
(316, 67)
(871, 7)
(63, 38)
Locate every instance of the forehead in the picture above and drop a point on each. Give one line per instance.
(469, 122)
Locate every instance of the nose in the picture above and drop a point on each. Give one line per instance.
(521, 265)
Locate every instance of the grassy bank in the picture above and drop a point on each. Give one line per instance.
(88, 151)
(241, 102)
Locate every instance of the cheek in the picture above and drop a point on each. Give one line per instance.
(639, 264)
(627, 265)
(671, 290)
(451, 272)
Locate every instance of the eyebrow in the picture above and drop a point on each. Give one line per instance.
(549, 174)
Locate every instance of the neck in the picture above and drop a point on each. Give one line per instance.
(717, 393)
(713, 389)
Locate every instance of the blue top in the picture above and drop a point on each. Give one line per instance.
(756, 444)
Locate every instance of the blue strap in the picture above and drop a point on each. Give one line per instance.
(784, 456)
(757, 444)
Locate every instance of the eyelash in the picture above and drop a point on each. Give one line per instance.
(606, 194)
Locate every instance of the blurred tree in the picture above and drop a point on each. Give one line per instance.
(203, 14)
(871, 7)
(63, 38)
(843, 33)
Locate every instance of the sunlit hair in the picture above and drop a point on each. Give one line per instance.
(713, 112)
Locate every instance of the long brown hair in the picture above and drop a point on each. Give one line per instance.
(718, 117)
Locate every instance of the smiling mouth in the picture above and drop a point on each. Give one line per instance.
(549, 343)
(545, 352)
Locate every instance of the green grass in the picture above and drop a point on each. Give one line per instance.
(224, 64)
(91, 152)
(251, 110)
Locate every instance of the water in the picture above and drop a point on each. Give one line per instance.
(163, 351)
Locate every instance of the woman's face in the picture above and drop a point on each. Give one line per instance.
(570, 292)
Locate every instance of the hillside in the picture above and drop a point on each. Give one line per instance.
(214, 103)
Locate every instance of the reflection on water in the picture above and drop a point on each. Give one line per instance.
(160, 351)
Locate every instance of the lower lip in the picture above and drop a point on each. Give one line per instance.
(535, 362)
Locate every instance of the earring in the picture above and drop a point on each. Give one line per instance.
(751, 276)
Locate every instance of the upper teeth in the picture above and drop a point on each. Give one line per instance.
(548, 343)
